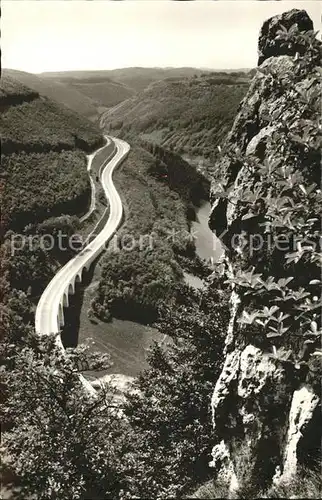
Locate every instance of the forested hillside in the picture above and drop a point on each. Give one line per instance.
(95, 85)
(136, 79)
(44, 148)
(141, 78)
(189, 115)
(110, 87)
(56, 91)
(107, 92)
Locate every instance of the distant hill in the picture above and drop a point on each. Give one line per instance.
(43, 161)
(132, 79)
(140, 78)
(106, 92)
(57, 91)
(188, 115)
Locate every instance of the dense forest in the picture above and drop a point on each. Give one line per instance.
(53, 194)
(44, 148)
(171, 169)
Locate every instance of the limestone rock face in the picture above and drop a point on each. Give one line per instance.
(269, 45)
(304, 404)
(264, 408)
(250, 384)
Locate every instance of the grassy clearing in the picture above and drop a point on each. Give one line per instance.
(127, 342)
(108, 93)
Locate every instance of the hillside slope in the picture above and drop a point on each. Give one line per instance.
(189, 115)
(110, 87)
(136, 79)
(56, 91)
(43, 156)
(107, 92)
(140, 78)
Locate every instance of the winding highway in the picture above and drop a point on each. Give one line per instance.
(50, 309)
(90, 159)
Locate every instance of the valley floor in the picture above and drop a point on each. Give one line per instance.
(126, 341)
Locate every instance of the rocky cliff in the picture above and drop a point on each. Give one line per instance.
(266, 207)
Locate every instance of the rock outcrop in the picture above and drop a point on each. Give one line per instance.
(266, 401)
(270, 45)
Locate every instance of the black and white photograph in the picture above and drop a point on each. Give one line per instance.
(160, 249)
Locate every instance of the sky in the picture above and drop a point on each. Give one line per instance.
(58, 35)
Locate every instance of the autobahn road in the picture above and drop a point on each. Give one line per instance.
(49, 313)
(90, 159)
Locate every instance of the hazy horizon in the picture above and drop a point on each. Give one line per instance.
(138, 67)
(83, 70)
(40, 37)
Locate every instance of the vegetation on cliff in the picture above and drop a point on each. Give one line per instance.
(273, 184)
(157, 442)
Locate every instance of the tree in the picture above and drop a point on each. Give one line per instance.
(59, 442)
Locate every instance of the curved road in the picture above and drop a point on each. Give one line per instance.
(49, 313)
(90, 159)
